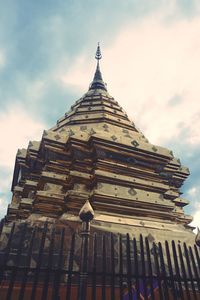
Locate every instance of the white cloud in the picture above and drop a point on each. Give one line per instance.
(192, 191)
(3, 206)
(17, 128)
(2, 58)
(149, 64)
(76, 74)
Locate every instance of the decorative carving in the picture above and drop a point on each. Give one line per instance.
(132, 192)
(113, 137)
(135, 143)
(71, 133)
(92, 132)
(125, 130)
(154, 149)
(106, 127)
(83, 127)
(57, 137)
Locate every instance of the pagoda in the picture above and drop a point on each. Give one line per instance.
(96, 153)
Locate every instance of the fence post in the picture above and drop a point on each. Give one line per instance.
(86, 215)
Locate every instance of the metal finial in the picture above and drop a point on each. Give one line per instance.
(97, 82)
(98, 55)
(86, 213)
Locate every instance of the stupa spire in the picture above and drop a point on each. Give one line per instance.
(98, 82)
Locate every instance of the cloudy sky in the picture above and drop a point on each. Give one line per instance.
(151, 63)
